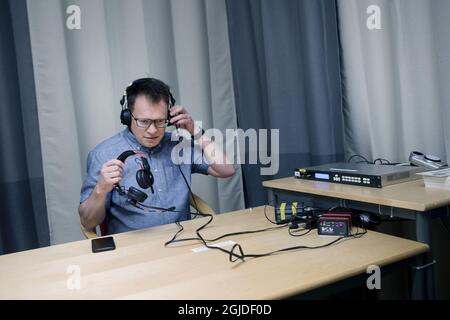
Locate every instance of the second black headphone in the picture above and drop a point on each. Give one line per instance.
(144, 178)
(125, 114)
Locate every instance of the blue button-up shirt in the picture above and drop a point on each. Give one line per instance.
(170, 189)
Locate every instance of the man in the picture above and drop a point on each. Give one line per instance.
(148, 112)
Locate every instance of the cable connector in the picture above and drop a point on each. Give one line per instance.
(293, 225)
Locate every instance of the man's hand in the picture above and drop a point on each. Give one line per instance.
(219, 165)
(110, 175)
(182, 119)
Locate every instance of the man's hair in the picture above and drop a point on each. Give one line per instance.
(153, 89)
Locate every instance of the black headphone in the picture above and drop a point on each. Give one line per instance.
(144, 178)
(125, 114)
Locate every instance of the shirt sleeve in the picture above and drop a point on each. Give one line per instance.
(199, 162)
(94, 165)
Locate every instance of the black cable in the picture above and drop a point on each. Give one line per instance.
(358, 234)
(293, 234)
(173, 240)
(245, 232)
(157, 209)
(242, 256)
(381, 161)
(360, 156)
(233, 256)
(204, 225)
(176, 234)
(334, 209)
(239, 232)
(265, 214)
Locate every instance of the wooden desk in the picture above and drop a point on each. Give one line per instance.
(410, 195)
(410, 200)
(142, 268)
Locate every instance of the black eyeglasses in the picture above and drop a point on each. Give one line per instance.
(146, 123)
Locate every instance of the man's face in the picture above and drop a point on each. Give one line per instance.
(144, 109)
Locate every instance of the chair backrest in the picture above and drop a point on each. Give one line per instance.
(195, 201)
(88, 234)
(200, 204)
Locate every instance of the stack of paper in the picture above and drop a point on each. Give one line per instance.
(436, 178)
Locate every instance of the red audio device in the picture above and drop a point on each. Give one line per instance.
(335, 224)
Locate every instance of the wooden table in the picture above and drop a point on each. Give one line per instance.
(410, 200)
(142, 268)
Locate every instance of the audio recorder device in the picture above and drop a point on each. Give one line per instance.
(335, 224)
(361, 174)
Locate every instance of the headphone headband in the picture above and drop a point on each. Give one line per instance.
(125, 114)
(124, 155)
(144, 177)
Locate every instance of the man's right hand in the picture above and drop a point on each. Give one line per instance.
(110, 175)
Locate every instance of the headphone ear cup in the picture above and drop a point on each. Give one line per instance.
(136, 195)
(144, 178)
(125, 117)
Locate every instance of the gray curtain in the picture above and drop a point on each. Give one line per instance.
(23, 214)
(396, 92)
(395, 78)
(285, 60)
(441, 29)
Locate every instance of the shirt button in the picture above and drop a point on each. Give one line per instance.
(156, 170)
(159, 190)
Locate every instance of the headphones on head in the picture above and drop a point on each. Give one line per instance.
(125, 114)
(144, 178)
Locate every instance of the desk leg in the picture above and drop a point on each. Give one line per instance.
(270, 195)
(424, 278)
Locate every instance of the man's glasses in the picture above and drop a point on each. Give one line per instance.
(146, 123)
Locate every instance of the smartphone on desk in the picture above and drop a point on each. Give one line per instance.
(103, 244)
